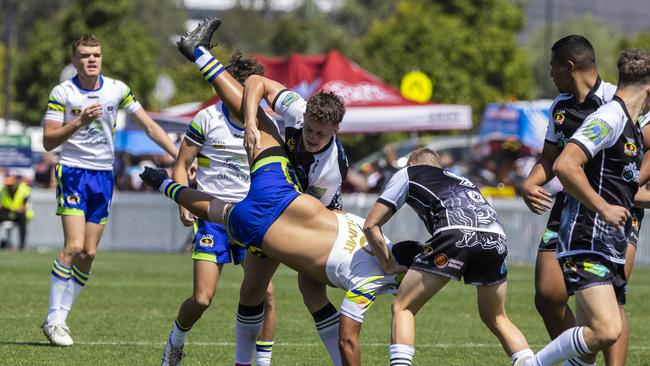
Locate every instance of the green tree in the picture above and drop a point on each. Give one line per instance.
(639, 40)
(129, 53)
(468, 48)
(605, 38)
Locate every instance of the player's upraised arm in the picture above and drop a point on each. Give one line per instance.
(257, 87)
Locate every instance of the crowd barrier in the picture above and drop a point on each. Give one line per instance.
(150, 222)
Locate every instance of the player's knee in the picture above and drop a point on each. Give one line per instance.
(203, 299)
(88, 255)
(397, 307)
(347, 343)
(251, 295)
(73, 249)
(607, 334)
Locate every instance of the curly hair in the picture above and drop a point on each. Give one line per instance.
(85, 40)
(326, 107)
(633, 67)
(241, 68)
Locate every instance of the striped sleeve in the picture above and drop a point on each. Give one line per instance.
(196, 131)
(56, 105)
(128, 101)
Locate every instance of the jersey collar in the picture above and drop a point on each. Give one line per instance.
(620, 101)
(75, 81)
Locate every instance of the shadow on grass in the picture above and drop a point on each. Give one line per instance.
(14, 343)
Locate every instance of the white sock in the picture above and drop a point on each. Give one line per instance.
(569, 344)
(247, 327)
(524, 352)
(177, 336)
(69, 297)
(401, 354)
(204, 56)
(58, 282)
(327, 326)
(264, 351)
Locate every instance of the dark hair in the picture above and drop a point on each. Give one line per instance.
(577, 49)
(85, 40)
(326, 107)
(425, 155)
(241, 68)
(633, 67)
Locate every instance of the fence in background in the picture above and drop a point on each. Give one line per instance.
(149, 222)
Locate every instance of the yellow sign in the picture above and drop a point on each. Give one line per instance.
(416, 86)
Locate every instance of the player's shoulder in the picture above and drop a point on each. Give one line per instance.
(561, 100)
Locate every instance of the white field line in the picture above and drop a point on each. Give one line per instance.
(289, 344)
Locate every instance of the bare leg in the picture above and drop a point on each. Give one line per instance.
(491, 307)
(349, 331)
(416, 289)
(206, 279)
(616, 354)
(551, 295)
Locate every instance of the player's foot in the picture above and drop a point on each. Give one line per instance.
(153, 177)
(526, 360)
(200, 36)
(172, 356)
(58, 334)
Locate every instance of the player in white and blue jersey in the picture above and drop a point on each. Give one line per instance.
(320, 164)
(81, 116)
(215, 138)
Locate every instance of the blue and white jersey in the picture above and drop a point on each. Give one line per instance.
(223, 163)
(320, 173)
(92, 146)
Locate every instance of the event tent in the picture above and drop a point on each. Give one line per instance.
(372, 105)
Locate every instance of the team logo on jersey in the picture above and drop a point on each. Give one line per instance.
(76, 111)
(289, 99)
(476, 197)
(558, 117)
(596, 130)
(630, 148)
(441, 261)
(630, 173)
(109, 108)
(206, 241)
(291, 144)
(635, 223)
(73, 199)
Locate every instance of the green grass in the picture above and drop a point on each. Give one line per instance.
(124, 315)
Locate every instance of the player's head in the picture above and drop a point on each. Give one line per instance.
(241, 68)
(571, 55)
(323, 115)
(424, 156)
(405, 251)
(634, 70)
(87, 55)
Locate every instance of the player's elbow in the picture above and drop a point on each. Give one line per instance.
(48, 144)
(561, 168)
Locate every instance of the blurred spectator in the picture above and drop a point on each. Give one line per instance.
(44, 171)
(14, 210)
(388, 168)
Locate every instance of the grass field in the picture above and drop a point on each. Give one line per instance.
(124, 315)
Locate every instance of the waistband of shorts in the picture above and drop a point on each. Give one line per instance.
(461, 227)
(274, 154)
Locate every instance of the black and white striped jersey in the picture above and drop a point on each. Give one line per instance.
(321, 173)
(442, 200)
(566, 114)
(614, 145)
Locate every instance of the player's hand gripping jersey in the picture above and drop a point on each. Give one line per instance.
(352, 266)
(223, 163)
(321, 173)
(92, 146)
(614, 145)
